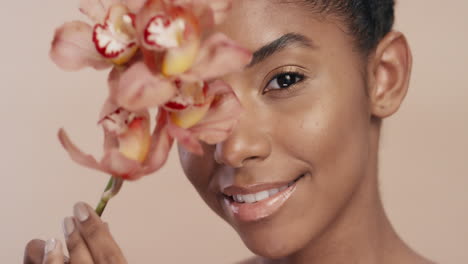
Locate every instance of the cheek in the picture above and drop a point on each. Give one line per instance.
(199, 170)
(328, 129)
(342, 136)
(325, 127)
(337, 144)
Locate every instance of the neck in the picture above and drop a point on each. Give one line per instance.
(362, 233)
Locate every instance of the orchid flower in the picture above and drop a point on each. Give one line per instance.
(170, 31)
(180, 71)
(111, 41)
(210, 122)
(130, 151)
(162, 55)
(138, 87)
(190, 97)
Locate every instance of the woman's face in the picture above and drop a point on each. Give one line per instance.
(301, 145)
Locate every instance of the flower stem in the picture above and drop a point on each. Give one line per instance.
(112, 188)
(100, 207)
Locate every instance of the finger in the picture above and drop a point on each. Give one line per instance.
(53, 253)
(77, 248)
(97, 236)
(34, 252)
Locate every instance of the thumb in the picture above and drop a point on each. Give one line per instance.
(34, 252)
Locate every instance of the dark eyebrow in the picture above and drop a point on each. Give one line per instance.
(279, 44)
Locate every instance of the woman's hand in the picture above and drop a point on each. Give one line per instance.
(88, 239)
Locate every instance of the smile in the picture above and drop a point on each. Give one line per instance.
(259, 201)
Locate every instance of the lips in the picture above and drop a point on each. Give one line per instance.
(258, 201)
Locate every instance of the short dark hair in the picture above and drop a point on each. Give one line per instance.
(367, 20)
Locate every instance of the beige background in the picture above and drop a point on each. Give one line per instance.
(424, 167)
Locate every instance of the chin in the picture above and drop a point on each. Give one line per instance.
(287, 231)
(271, 249)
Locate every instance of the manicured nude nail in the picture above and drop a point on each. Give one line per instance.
(68, 226)
(50, 245)
(81, 212)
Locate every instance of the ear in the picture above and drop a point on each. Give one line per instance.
(389, 74)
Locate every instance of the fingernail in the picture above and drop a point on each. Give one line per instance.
(50, 245)
(68, 226)
(81, 212)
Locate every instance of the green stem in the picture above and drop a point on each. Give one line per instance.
(101, 206)
(112, 188)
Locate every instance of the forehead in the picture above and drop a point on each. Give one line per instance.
(253, 23)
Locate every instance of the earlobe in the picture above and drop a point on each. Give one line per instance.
(390, 71)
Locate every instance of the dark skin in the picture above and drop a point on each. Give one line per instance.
(325, 124)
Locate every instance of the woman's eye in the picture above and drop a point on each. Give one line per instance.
(284, 81)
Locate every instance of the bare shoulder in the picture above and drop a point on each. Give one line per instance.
(420, 260)
(426, 261)
(252, 260)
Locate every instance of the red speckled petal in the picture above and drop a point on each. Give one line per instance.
(116, 39)
(151, 9)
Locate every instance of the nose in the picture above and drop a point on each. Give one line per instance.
(247, 144)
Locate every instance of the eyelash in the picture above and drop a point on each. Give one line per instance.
(298, 77)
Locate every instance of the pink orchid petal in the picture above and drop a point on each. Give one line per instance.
(136, 141)
(135, 5)
(108, 108)
(161, 145)
(110, 139)
(73, 49)
(77, 155)
(206, 18)
(150, 9)
(210, 11)
(219, 88)
(179, 60)
(219, 8)
(218, 56)
(116, 40)
(137, 88)
(96, 10)
(120, 166)
(185, 137)
(199, 8)
(221, 117)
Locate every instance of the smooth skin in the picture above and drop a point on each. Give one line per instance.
(326, 125)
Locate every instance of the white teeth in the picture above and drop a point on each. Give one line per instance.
(273, 192)
(256, 197)
(261, 195)
(249, 198)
